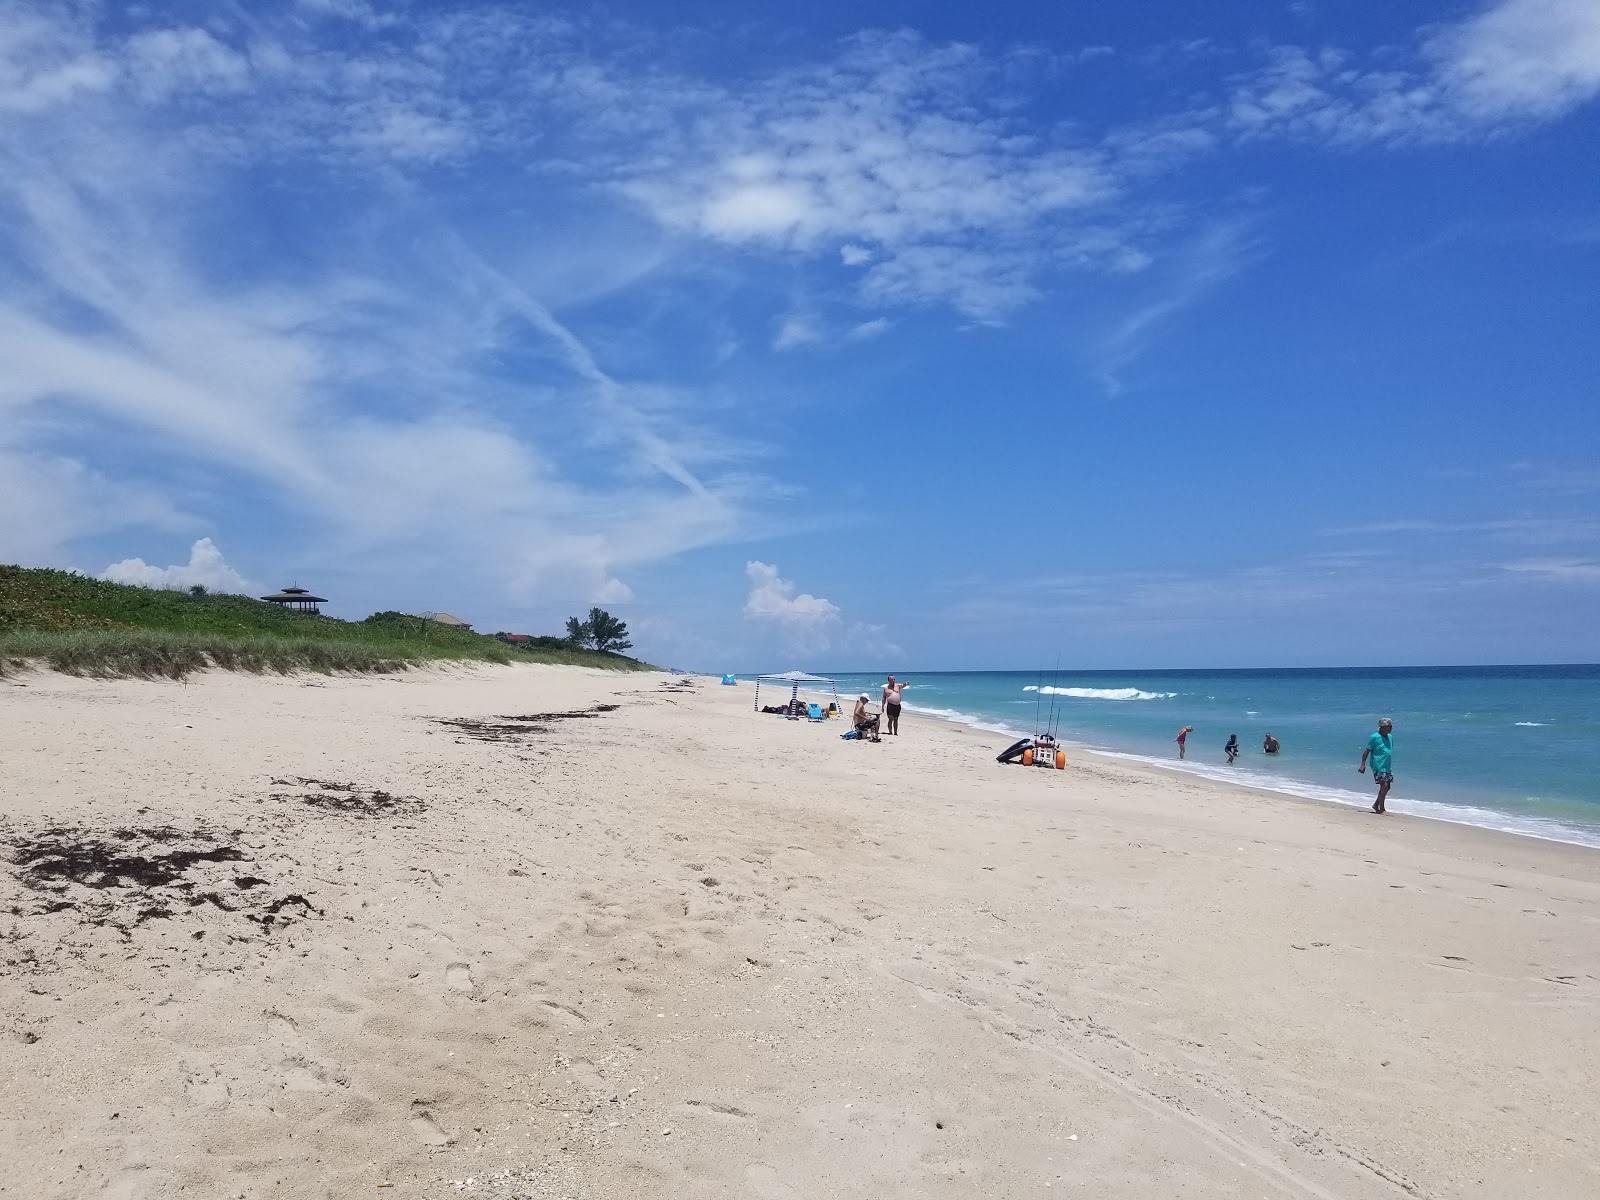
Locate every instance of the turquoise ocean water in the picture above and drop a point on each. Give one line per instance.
(1512, 748)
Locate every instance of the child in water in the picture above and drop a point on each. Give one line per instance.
(1232, 747)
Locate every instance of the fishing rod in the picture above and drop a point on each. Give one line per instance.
(1055, 679)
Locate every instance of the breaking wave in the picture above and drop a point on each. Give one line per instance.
(1078, 693)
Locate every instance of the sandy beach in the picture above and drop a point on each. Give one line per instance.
(478, 932)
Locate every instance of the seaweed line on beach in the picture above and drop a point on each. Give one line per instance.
(347, 799)
(514, 728)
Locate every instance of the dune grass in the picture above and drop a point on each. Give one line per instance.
(93, 627)
(161, 654)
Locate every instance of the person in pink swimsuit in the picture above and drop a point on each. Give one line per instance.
(1182, 734)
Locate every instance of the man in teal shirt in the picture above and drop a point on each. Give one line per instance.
(1380, 749)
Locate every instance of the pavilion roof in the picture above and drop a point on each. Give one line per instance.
(296, 593)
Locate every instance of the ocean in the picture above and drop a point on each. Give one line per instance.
(1510, 748)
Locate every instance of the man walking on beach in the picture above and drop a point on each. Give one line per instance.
(1380, 749)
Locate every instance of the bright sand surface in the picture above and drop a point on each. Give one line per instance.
(682, 950)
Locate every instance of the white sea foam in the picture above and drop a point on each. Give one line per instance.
(1533, 724)
(1457, 814)
(967, 719)
(1078, 693)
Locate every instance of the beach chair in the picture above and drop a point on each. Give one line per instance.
(814, 713)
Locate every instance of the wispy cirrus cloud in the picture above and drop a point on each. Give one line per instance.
(1571, 571)
(1575, 572)
(1526, 529)
(359, 385)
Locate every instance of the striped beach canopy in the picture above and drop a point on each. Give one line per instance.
(795, 680)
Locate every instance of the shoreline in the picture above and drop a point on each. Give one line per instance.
(1557, 832)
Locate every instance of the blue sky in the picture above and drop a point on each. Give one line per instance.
(911, 336)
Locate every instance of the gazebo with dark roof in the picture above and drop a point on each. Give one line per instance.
(298, 599)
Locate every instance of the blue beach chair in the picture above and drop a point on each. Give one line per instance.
(814, 712)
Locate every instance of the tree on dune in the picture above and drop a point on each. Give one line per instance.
(609, 635)
(578, 632)
(602, 631)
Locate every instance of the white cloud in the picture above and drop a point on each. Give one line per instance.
(50, 500)
(613, 591)
(795, 331)
(206, 567)
(1516, 62)
(46, 61)
(165, 61)
(870, 329)
(1581, 572)
(806, 621)
(1522, 58)
(898, 153)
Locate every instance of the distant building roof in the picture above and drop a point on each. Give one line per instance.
(519, 637)
(445, 618)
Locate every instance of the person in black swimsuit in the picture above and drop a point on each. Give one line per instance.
(1232, 747)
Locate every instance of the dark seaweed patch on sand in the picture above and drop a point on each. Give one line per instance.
(349, 799)
(122, 878)
(579, 714)
(493, 730)
(515, 728)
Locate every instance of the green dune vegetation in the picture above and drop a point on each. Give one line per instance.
(84, 626)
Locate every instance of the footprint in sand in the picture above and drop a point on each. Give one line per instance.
(208, 1091)
(130, 1183)
(301, 1074)
(764, 1182)
(425, 1127)
(458, 977)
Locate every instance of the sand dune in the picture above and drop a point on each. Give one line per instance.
(480, 933)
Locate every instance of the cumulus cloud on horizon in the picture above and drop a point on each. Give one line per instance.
(806, 621)
(206, 567)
